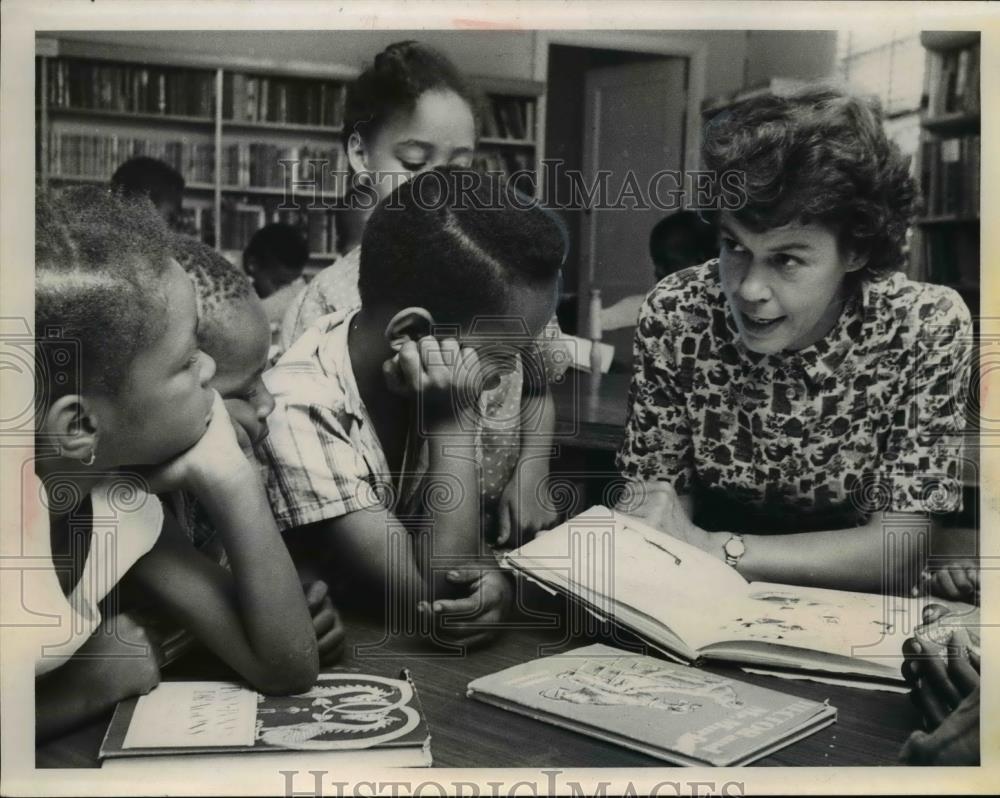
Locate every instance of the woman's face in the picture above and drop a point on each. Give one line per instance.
(440, 131)
(785, 286)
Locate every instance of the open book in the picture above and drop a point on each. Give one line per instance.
(693, 606)
(345, 719)
(673, 712)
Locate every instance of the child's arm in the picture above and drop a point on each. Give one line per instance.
(117, 662)
(254, 618)
(523, 512)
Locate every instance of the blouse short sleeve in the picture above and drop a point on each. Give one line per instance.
(922, 462)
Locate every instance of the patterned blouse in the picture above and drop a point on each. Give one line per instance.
(869, 418)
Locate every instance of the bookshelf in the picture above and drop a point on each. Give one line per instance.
(239, 131)
(946, 244)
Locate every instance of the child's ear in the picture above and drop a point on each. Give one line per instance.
(73, 427)
(856, 261)
(409, 324)
(357, 155)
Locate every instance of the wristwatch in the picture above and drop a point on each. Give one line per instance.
(734, 549)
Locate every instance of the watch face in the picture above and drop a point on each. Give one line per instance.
(735, 547)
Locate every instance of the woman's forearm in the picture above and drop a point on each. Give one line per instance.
(885, 555)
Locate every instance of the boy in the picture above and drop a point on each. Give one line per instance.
(164, 185)
(375, 426)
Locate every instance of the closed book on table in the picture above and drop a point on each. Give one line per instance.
(681, 714)
(345, 720)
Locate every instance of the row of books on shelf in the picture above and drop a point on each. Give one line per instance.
(949, 176)
(241, 220)
(101, 86)
(270, 166)
(505, 162)
(508, 118)
(74, 155)
(953, 82)
(952, 258)
(248, 98)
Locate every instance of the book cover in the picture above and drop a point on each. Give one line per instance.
(670, 711)
(343, 711)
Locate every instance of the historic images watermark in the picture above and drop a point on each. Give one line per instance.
(315, 184)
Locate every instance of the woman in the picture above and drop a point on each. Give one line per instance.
(792, 394)
(410, 112)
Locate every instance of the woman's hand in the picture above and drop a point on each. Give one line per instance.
(658, 504)
(214, 459)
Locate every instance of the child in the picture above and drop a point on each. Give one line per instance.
(233, 331)
(122, 384)
(346, 453)
(274, 259)
(161, 183)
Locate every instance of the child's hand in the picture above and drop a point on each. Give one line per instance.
(521, 514)
(957, 581)
(326, 622)
(443, 372)
(954, 742)
(245, 424)
(216, 457)
(468, 620)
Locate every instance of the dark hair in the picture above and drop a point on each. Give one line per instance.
(454, 250)
(218, 283)
(147, 176)
(402, 72)
(278, 247)
(99, 260)
(698, 241)
(819, 156)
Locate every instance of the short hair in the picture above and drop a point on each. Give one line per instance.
(220, 286)
(819, 156)
(145, 176)
(698, 233)
(99, 264)
(400, 75)
(456, 251)
(278, 243)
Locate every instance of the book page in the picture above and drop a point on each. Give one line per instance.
(868, 626)
(193, 715)
(611, 559)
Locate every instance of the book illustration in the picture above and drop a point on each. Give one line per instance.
(346, 711)
(342, 711)
(663, 709)
(632, 681)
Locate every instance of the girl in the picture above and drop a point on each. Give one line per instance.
(121, 384)
(408, 113)
(791, 395)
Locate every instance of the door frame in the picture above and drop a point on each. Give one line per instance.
(695, 51)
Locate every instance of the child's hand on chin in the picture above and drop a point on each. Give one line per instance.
(444, 373)
(214, 458)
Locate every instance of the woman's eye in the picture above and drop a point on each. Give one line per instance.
(413, 167)
(787, 261)
(731, 245)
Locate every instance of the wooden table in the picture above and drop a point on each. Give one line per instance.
(870, 729)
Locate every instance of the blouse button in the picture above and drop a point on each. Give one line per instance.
(791, 393)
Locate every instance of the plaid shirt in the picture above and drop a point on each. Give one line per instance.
(867, 419)
(322, 452)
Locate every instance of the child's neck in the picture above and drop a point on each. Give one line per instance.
(368, 350)
(70, 475)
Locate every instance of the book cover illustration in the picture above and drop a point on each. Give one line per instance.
(662, 708)
(342, 711)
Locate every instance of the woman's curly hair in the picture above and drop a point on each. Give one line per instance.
(818, 156)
